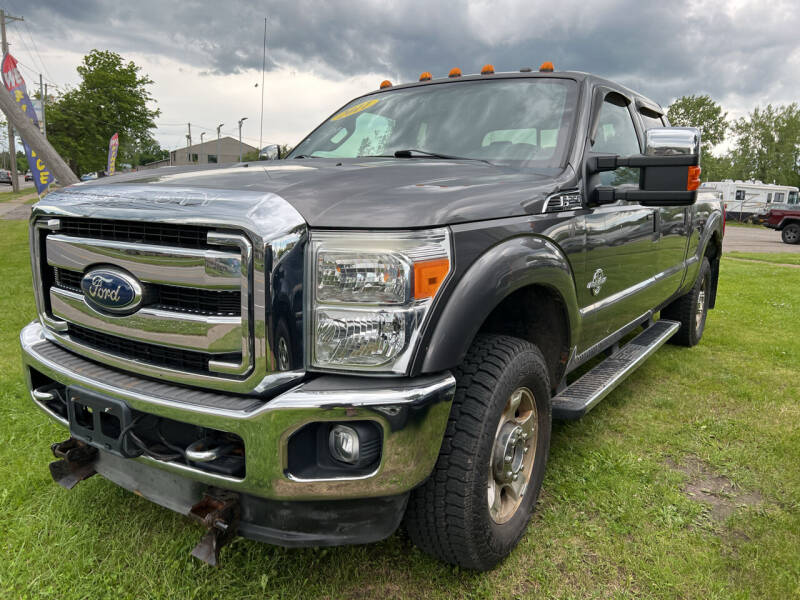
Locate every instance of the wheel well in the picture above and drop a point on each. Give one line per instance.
(535, 313)
(714, 253)
(786, 222)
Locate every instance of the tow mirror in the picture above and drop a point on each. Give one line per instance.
(669, 169)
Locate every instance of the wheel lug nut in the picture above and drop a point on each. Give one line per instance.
(525, 450)
(509, 473)
(508, 458)
(516, 476)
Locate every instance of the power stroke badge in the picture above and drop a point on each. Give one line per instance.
(111, 290)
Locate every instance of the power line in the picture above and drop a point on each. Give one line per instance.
(36, 47)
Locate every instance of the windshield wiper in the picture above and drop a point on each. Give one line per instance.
(411, 151)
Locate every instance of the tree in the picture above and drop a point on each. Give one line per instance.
(768, 145)
(701, 112)
(112, 97)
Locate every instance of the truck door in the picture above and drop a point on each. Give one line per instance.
(672, 223)
(622, 241)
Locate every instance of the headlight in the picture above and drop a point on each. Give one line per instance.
(370, 295)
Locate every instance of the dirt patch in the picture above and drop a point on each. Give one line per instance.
(716, 491)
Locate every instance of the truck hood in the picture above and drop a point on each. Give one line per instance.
(354, 193)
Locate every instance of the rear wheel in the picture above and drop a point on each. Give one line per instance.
(475, 506)
(691, 309)
(791, 234)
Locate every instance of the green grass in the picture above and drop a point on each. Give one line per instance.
(786, 258)
(615, 518)
(6, 196)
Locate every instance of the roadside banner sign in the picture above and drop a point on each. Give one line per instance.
(12, 78)
(113, 146)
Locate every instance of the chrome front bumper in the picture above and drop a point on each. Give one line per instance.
(412, 413)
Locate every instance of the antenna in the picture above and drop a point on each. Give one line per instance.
(263, 66)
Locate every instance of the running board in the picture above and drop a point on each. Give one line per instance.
(582, 395)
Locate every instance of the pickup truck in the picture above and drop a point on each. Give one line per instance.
(380, 327)
(787, 221)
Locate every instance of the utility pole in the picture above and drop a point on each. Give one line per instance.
(41, 98)
(218, 128)
(12, 150)
(44, 114)
(263, 65)
(200, 152)
(242, 120)
(35, 139)
(189, 146)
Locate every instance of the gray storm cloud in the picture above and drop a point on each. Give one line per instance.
(664, 49)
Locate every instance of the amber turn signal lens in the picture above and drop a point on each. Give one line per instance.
(547, 67)
(428, 277)
(693, 181)
(386, 83)
(426, 76)
(487, 70)
(455, 72)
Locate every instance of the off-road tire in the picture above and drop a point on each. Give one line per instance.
(791, 234)
(448, 516)
(685, 309)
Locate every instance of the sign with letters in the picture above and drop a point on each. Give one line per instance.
(12, 78)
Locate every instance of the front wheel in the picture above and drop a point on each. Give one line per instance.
(475, 506)
(691, 309)
(791, 234)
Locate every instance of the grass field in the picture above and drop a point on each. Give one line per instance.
(6, 196)
(684, 483)
(785, 258)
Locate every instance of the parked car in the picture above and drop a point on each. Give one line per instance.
(5, 177)
(382, 328)
(787, 221)
(28, 175)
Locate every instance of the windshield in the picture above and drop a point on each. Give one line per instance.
(521, 121)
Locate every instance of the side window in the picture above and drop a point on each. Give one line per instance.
(616, 135)
(778, 197)
(740, 194)
(650, 120)
(769, 197)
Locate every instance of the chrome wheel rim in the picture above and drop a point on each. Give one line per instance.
(701, 305)
(283, 354)
(513, 455)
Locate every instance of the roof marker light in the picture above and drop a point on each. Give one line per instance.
(426, 76)
(487, 70)
(547, 67)
(455, 72)
(386, 84)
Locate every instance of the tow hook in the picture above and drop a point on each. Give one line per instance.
(76, 462)
(219, 511)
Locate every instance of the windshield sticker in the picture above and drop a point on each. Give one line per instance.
(354, 109)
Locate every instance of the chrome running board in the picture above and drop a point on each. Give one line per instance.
(582, 395)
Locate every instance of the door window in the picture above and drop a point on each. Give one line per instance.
(778, 197)
(650, 120)
(616, 135)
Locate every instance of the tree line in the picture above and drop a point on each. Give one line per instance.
(765, 144)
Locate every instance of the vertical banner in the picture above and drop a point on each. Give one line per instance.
(15, 84)
(113, 146)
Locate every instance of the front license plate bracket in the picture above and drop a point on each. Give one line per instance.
(101, 421)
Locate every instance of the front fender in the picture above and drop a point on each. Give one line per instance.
(497, 273)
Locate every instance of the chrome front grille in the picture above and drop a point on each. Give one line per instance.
(195, 324)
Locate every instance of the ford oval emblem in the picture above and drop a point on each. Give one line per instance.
(111, 290)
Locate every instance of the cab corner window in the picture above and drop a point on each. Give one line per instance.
(615, 134)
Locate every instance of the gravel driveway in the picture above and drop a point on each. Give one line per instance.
(755, 239)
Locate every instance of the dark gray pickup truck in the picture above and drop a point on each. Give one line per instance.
(380, 327)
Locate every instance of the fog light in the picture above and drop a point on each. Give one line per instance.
(343, 444)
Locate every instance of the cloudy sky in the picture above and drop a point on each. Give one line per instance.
(205, 57)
